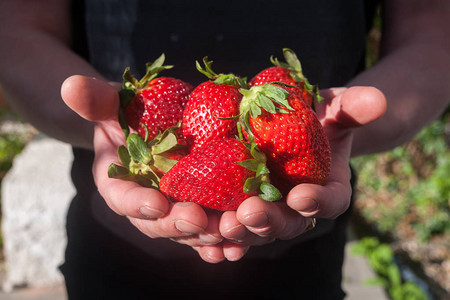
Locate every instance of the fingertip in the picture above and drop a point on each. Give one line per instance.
(191, 214)
(234, 252)
(253, 212)
(211, 254)
(332, 200)
(93, 99)
(360, 105)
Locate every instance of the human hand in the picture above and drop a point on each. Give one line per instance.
(146, 208)
(257, 222)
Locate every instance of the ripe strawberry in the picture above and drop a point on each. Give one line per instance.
(289, 73)
(152, 104)
(213, 106)
(287, 130)
(219, 175)
(146, 161)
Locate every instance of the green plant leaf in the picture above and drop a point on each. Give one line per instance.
(262, 169)
(118, 172)
(255, 110)
(163, 163)
(138, 149)
(269, 192)
(251, 164)
(266, 103)
(251, 184)
(124, 156)
(168, 142)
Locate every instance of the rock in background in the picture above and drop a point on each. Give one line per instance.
(36, 193)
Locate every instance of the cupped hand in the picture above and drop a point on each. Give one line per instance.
(257, 222)
(147, 209)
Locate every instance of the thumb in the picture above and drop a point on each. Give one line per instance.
(93, 99)
(355, 106)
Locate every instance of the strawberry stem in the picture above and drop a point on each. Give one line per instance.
(229, 79)
(296, 71)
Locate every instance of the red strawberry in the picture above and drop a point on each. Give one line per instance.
(289, 73)
(151, 105)
(219, 175)
(212, 110)
(287, 130)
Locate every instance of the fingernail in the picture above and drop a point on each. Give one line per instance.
(306, 205)
(311, 225)
(239, 255)
(150, 213)
(256, 220)
(236, 233)
(187, 227)
(209, 239)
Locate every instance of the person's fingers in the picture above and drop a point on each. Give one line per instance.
(344, 109)
(184, 220)
(211, 235)
(317, 201)
(232, 230)
(124, 197)
(352, 107)
(233, 251)
(93, 99)
(211, 254)
(271, 220)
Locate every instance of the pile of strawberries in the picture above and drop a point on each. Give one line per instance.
(225, 140)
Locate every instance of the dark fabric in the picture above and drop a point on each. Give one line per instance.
(240, 36)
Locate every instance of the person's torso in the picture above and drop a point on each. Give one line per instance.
(239, 36)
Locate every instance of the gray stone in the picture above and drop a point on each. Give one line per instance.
(36, 193)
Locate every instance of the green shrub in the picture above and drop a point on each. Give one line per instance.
(381, 259)
(408, 185)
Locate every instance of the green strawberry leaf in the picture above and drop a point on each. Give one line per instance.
(251, 184)
(123, 123)
(277, 94)
(168, 141)
(255, 110)
(292, 60)
(228, 79)
(153, 70)
(124, 155)
(138, 149)
(125, 97)
(129, 81)
(257, 154)
(266, 103)
(163, 163)
(262, 169)
(207, 71)
(251, 164)
(118, 172)
(269, 192)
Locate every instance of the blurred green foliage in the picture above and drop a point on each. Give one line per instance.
(381, 259)
(409, 186)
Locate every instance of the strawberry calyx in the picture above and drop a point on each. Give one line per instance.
(269, 97)
(296, 71)
(229, 79)
(261, 181)
(144, 161)
(131, 85)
